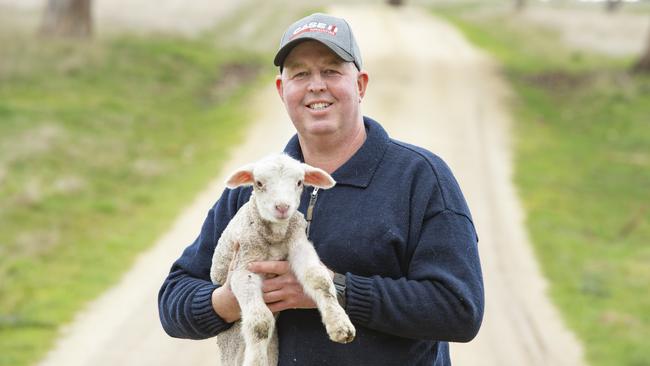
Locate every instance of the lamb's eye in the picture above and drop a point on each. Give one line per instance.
(299, 183)
(259, 184)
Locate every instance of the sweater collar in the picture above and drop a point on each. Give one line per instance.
(360, 168)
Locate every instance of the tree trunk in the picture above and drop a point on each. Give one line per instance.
(613, 5)
(643, 65)
(67, 18)
(520, 5)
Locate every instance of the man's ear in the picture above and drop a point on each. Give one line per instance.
(241, 177)
(278, 86)
(318, 178)
(362, 83)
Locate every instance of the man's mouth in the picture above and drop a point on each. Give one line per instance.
(319, 106)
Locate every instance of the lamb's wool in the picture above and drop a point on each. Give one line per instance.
(253, 341)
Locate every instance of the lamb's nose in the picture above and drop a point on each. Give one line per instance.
(282, 208)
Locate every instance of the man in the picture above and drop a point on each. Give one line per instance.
(395, 231)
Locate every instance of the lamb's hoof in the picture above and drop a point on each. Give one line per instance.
(344, 332)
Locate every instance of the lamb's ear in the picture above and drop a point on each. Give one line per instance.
(242, 177)
(317, 177)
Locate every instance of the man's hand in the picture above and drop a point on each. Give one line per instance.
(281, 288)
(224, 302)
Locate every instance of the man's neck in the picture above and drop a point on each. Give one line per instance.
(332, 152)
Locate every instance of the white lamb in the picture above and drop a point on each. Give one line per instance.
(269, 227)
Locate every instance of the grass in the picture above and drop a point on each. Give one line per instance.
(583, 172)
(101, 144)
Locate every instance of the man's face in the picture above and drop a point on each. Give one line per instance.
(320, 91)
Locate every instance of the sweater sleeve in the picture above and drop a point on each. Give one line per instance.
(185, 298)
(441, 298)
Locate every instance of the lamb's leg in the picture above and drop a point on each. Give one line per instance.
(257, 320)
(223, 259)
(318, 285)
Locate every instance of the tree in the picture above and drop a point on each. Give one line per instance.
(67, 18)
(520, 5)
(643, 64)
(613, 5)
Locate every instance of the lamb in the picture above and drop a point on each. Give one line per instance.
(269, 227)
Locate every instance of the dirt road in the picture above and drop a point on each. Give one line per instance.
(430, 87)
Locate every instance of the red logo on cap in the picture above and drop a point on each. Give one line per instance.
(315, 27)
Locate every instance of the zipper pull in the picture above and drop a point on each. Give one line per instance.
(310, 208)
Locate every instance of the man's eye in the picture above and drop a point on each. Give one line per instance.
(299, 75)
(331, 72)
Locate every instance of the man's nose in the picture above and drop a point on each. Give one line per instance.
(317, 84)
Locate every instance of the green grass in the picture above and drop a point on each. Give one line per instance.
(583, 172)
(101, 144)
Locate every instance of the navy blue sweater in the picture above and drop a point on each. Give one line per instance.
(397, 225)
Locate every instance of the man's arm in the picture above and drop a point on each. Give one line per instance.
(187, 303)
(185, 307)
(441, 299)
(442, 296)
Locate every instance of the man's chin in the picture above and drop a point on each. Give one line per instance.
(321, 128)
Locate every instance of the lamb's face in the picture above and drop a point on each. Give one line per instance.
(278, 182)
(278, 185)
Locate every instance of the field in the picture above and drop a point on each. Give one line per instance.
(101, 144)
(583, 172)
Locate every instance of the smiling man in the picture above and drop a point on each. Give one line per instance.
(322, 94)
(395, 231)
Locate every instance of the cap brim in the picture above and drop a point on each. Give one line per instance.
(284, 51)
